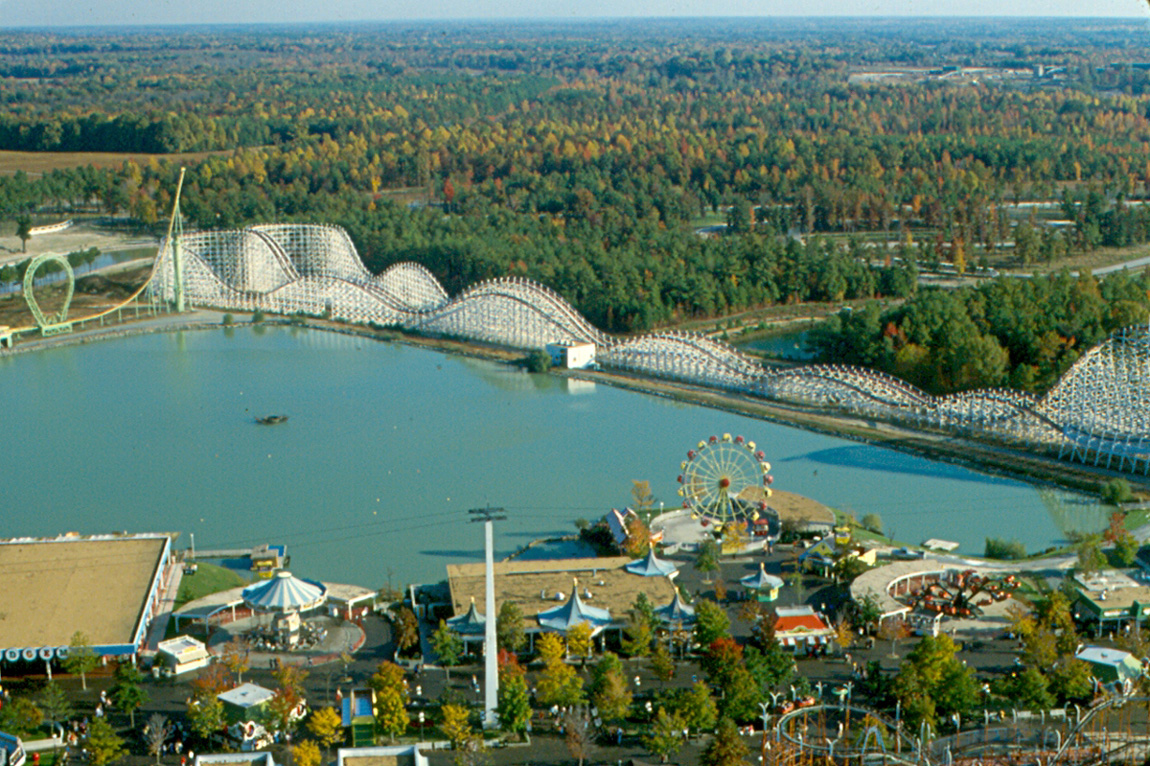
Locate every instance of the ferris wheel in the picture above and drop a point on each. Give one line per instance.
(725, 479)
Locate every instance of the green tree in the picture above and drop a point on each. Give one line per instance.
(727, 748)
(24, 231)
(1030, 689)
(872, 522)
(1070, 681)
(664, 740)
(707, 560)
(1116, 492)
(81, 659)
(127, 692)
(514, 704)
(538, 360)
(21, 717)
(509, 633)
(698, 708)
(448, 647)
(711, 622)
(206, 716)
(1090, 557)
(54, 703)
(103, 744)
(608, 690)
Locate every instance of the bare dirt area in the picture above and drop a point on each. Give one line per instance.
(81, 236)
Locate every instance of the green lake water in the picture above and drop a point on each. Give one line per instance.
(387, 447)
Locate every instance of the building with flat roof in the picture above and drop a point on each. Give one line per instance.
(541, 589)
(106, 587)
(1110, 599)
(390, 755)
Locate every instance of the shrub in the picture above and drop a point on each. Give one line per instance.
(1007, 550)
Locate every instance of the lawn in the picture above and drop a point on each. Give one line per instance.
(208, 579)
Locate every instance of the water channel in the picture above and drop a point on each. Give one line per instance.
(387, 446)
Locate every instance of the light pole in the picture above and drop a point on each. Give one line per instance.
(766, 717)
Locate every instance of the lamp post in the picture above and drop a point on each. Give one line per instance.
(766, 717)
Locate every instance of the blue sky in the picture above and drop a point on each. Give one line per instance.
(131, 12)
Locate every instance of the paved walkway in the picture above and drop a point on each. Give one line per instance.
(159, 627)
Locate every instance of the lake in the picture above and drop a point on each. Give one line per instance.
(388, 446)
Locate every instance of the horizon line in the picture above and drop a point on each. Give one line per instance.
(566, 20)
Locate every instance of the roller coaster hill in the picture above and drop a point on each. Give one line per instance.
(1097, 414)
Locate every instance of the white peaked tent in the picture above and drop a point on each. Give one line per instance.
(285, 593)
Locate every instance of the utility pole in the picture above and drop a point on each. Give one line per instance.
(490, 649)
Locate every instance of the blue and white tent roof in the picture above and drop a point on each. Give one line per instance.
(469, 624)
(676, 611)
(651, 566)
(563, 618)
(761, 580)
(285, 593)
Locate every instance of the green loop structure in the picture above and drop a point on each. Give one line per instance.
(54, 324)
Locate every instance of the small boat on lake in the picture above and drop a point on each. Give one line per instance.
(271, 420)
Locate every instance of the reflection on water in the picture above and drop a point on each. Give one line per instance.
(388, 446)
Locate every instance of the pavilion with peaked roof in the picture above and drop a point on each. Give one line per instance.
(652, 566)
(542, 590)
(471, 626)
(574, 612)
(678, 612)
(765, 586)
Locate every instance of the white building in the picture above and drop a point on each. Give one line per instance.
(573, 356)
(181, 654)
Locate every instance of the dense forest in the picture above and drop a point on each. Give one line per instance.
(830, 161)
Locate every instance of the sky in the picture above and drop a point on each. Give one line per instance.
(15, 13)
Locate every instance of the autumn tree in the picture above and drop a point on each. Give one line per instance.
(326, 725)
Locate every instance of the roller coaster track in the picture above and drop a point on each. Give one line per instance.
(1098, 413)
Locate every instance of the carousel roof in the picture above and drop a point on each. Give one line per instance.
(563, 618)
(651, 566)
(676, 611)
(761, 580)
(285, 593)
(470, 623)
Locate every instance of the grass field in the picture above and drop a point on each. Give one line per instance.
(38, 163)
(208, 579)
